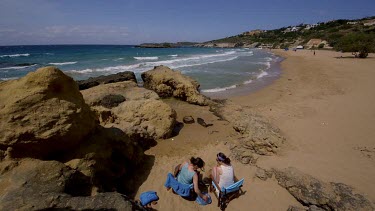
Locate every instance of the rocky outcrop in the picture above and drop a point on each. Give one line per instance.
(118, 77)
(147, 119)
(169, 83)
(313, 192)
(129, 90)
(141, 115)
(258, 136)
(35, 185)
(108, 158)
(42, 113)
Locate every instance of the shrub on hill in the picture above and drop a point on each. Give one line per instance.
(360, 44)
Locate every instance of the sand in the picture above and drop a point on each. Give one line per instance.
(324, 106)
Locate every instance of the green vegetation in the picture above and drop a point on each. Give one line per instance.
(343, 35)
(360, 44)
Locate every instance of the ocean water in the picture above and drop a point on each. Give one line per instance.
(216, 69)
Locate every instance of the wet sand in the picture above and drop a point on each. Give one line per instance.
(323, 105)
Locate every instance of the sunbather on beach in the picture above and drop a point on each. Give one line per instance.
(222, 174)
(187, 173)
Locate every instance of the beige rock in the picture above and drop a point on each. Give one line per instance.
(141, 115)
(127, 89)
(42, 185)
(257, 134)
(318, 194)
(43, 112)
(148, 119)
(169, 83)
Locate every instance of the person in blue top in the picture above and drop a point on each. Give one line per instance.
(187, 173)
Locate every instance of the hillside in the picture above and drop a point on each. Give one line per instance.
(331, 32)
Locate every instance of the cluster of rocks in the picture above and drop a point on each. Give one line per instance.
(54, 153)
(69, 149)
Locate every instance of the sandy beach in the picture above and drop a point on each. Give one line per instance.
(323, 105)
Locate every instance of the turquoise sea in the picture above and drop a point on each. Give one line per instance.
(216, 69)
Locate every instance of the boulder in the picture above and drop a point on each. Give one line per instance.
(258, 136)
(35, 185)
(128, 89)
(109, 158)
(145, 119)
(313, 192)
(141, 116)
(42, 113)
(169, 83)
(111, 100)
(118, 77)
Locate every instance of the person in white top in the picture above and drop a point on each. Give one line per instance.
(222, 174)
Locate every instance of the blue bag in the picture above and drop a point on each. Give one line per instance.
(148, 197)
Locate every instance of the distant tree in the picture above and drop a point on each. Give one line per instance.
(359, 44)
(321, 45)
(167, 45)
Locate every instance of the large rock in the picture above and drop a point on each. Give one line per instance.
(313, 192)
(42, 113)
(147, 119)
(36, 185)
(108, 158)
(141, 116)
(128, 89)
(169, 83)
(106, 79)
(258, 136)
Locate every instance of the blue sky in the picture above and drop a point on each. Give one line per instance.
(136, 21)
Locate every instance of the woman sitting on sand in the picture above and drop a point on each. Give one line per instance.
(223, 173)
(187, 173)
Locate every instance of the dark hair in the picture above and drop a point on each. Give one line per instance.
(197, 161)
(221, 157)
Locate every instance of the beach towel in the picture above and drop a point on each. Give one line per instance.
(148, 197)
(179, 188)
(200, 201)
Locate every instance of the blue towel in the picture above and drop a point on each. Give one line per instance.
(148, 197)
(179, 188)
(200, 201)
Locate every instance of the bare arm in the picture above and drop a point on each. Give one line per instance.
(196, 188)
(216, 176)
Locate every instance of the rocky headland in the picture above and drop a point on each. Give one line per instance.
(81, 146)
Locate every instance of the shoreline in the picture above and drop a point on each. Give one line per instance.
(273, 73)
(323, 107)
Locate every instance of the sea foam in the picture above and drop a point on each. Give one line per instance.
(262, 74)
(219, 89)
(15, 55)
(16, 67)
(146, 58)
(62, 63)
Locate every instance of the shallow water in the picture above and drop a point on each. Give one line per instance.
(216, 69)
